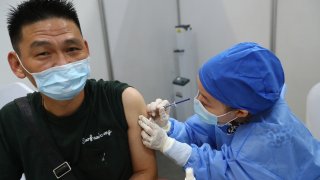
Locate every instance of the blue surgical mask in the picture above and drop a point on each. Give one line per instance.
(206, 116)
(62, 82)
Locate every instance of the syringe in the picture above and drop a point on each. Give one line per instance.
(175, 103)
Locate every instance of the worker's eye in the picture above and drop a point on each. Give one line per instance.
(206, 105)
(204, 99)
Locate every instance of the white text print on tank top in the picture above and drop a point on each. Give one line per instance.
(96, 137)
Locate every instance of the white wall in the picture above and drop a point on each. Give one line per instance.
(142, 39)
(298, 47)
(91, 28)
(220, 24)
(142, 36)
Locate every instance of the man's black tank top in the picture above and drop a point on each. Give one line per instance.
(93, 140)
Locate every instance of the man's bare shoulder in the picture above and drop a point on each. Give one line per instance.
(133, 103)
(131, 95)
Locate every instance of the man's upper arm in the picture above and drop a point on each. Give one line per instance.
(143, 159)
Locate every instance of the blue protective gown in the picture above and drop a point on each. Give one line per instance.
(273, 145)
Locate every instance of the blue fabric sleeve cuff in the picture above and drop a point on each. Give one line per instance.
(179, 152)
(172, 121)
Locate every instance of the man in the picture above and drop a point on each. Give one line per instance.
(92, 123)
(243, 127)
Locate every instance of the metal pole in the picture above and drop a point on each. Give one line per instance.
(106, 39)
(178, 12)
(273, 30)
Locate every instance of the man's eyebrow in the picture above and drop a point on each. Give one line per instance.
(72, 41)
(39, 43)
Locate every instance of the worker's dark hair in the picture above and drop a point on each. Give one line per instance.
(32, 11)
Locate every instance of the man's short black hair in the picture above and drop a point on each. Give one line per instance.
(32, 11)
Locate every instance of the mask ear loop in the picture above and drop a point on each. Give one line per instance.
(228, 121)
(197, 95)
(22, 64)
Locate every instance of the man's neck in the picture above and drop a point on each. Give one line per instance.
(63, 108)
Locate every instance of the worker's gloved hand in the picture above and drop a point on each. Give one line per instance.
(153, 136)
(156, 138)
(158, 113)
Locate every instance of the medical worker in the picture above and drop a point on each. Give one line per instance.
(242, 127)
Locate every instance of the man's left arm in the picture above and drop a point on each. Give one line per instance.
(143, 159)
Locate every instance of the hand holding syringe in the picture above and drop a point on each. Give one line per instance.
(159, 110)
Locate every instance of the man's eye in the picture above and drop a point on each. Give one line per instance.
(43, 54)
(73, 49)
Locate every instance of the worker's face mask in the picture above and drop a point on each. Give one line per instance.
(62, 82)
(208, 117)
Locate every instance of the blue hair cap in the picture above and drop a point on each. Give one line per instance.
(246, 76)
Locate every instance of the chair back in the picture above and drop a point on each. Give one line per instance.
(12, 91)
(313, 110)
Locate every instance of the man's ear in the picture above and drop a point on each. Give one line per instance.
(87, 46)
(242, 113)
(15, 65)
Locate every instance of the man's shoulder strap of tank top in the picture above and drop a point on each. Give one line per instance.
(60, 168)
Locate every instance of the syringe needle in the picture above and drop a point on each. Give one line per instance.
(175, 103)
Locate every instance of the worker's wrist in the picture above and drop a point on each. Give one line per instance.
(167, 144)
(179, 152)
(167, 127)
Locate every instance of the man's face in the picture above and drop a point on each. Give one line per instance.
(51, 42)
